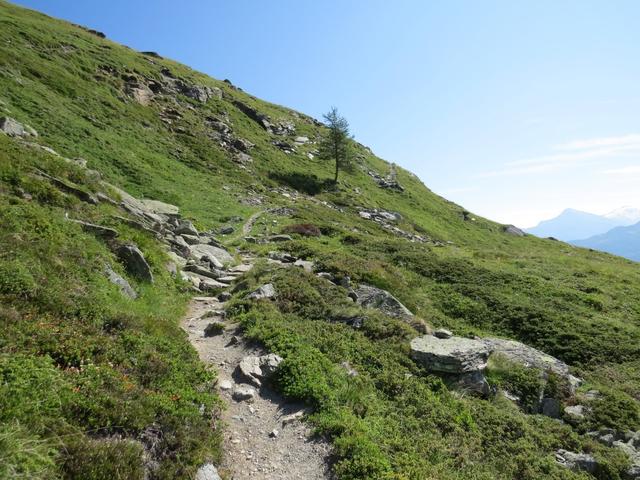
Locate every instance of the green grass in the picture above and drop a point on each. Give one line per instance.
(81, 365)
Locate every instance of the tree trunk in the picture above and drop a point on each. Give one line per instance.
(335, 180)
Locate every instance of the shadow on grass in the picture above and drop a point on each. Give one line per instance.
(303, 182)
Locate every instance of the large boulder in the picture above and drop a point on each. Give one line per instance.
(530, 357)
(13, 128)
(265, 291)
(455, 355)
(256, 370)
(134, 262)
(218, 254)
(373, 297)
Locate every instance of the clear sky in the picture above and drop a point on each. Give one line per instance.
(514, 109)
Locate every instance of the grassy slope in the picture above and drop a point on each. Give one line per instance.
(578, 305)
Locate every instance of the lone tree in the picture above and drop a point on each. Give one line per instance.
(336, 143)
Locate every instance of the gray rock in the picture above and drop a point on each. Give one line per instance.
(207, 472)
(326, 276)
(265, 291)
(159, 208)
(134, 262)
(225, 385)
(213, 329)
(293, 418)
(279, 238)
(255, 370)
(12, 127)
(373, 297)
(306, 265)
(116, 279)
(243, 394)
(513, 230)
(550, 407)
(576, 412)
(455, 355)
(473, 382)
(576, 461)
(527, 356)
(216, 255)
(105, 233)
(274, 433)
(281, 257)
(226, 230)
(224, 297)
(191, 239)
(185, 227)
(209, 284)
(215, 274)
(443, 333)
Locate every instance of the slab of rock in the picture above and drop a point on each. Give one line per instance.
(455, 355)
(256, 370)
(213, 329)
(279, 238)
(158, 207)
(513, 230)
(105, 233)
(185, 227)
(191, 239)
(122, 283)
(530, 357)
(373, 297)
(443, 333)
(306, 265)
(134, 262)
(265, 291)
(576, 412)
(550, 407)
(576, 461)
(204, 271)
(242, 268)
(13, 128)
(207, 472)
(218, 254)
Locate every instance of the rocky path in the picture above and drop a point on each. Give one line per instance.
(264, 438)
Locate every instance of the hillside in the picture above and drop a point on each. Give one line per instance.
(95, 384)
(622, 241)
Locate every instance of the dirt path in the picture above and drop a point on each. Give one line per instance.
(256, 444)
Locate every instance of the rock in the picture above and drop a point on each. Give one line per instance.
(209, 284)
(217, 255)
(159, 208)
(243, 394)
(105, 233)
(203, 271)
(513, 230)
(224, 297)
(255, 370)
(592, 395)
(279, 238)
(294, 417)
(443, 333)
(274, 433)
(185, 227)
(213, 329)
(550, 407)
(302, 140)
(473, 382)
(242, 268)
(180, 246)
(326, 276)
(226, 230)
(373, 297)
(455, 355)
(13, 128)
(191, 239)
(116, 279)
(306, 265)
(69, 187)
(575, 412)
(281, 257)
(527, 356)
(265, 291)
(191, 278)
(351, 372)
(207, 472)
(576, 461)
(225, 385)
(134, 262)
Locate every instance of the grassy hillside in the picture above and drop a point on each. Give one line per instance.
(84, 372)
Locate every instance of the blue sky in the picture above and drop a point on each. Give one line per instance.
(514, 109)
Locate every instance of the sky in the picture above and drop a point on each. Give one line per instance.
(515, 110)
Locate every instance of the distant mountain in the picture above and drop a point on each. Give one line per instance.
(622, 241)
(626, 215)
(573, 224)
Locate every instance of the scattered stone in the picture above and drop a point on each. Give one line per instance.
(134, 262)
(274, 433)
(224, 297)
(455, 355)
(373, 297)
(226, 230)
(207, 472)
(575, 412)
(281, 257)
(265, 291)
(294, 417)
(576, 461)
(243, 394)
(213, 329)
(225, 385)
(306, 265)
(116, 279)
(443, 333)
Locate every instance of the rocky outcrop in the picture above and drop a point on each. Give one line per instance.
(265, 291)
(455, 355)
(373, 297)
(513, 230)
(13, 128)
(216, 254)
(387, 219)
